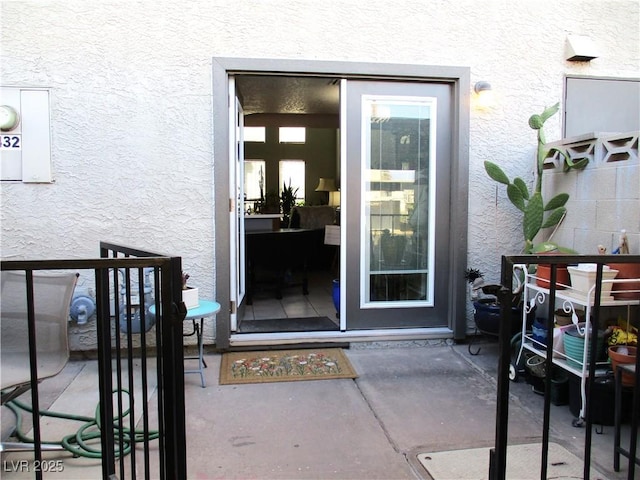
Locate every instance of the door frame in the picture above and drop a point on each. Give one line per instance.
(459, 80)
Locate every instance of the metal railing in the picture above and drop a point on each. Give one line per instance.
(498, 455)
(122, 299)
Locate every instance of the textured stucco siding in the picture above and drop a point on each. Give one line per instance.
(131, 93)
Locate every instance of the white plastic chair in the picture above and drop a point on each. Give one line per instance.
(52, 294)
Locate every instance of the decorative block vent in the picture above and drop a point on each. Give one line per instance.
(597, 148)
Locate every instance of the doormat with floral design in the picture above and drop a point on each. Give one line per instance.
(284, 366)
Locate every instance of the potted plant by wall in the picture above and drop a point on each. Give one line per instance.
(288, 200)
(538, 213)
(189, 294)
(622, 342)
(486, 306)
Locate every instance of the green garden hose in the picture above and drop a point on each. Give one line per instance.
(78, 443)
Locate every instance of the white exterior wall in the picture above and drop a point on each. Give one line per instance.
(131, 95)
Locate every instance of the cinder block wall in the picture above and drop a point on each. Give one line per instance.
(604, 197)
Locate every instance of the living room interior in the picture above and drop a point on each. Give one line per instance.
(291, 193)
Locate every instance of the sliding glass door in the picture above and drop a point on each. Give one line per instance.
(397, 162)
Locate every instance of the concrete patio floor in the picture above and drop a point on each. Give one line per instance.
(409, 398)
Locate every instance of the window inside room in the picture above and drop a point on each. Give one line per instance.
(292, 134)
(255, 134)
(293, 171)
(254, 179)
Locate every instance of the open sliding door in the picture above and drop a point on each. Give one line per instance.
(236, 209)
(397, 239)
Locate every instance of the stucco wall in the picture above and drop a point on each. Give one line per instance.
(131, 103)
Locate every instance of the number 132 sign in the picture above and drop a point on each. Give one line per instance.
(10, 142)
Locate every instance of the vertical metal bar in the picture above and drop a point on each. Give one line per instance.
(118, 358)
(593, 338)
(33, 364)
(143, 373)
(103, 327)
(160, 314)
(173, 372)
(498, 459)
(130, 368)
(635, 417)
(548, 366)
(168, 376)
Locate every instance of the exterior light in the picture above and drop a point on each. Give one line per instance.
(484, 94)
(580, 48)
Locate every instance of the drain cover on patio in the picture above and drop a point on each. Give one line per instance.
(523, 463)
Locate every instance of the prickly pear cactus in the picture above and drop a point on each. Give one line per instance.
(536, 214)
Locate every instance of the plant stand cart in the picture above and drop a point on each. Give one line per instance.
(569, 300)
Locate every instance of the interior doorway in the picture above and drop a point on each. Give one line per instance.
(290, 195)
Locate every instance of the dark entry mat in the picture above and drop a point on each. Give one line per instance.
(302, 324)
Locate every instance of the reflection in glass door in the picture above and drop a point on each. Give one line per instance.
(398, 145)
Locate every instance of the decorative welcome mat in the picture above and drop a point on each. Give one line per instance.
(284, 366)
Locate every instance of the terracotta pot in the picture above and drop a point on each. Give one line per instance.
(622, 354)
(543, 276)
(620, 291)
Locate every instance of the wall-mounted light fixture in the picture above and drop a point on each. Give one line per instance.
(484, 94)
(9, 118)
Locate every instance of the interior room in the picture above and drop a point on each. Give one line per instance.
(291, 184)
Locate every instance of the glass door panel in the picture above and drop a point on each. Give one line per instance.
(398, 156)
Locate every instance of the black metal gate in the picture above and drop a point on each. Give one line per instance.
(127, 282)
(498, 456)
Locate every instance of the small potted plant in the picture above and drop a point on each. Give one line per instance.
(486, 305)
(189, 294)
(475, 279)
(622, 342)
(288, 199)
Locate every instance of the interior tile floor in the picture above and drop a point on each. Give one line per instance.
(318, 303)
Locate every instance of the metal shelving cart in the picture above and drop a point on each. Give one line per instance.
(569, 300)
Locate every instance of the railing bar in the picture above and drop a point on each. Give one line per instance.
(160, 272)
(118, 357)
(131, 251)
(174, 370)
(635, 417)
(549, 365)
(498, 455)
(130, 369)
(103, 330)
(33, 364)
(592, 334)
(82, 264)
(143, 372)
